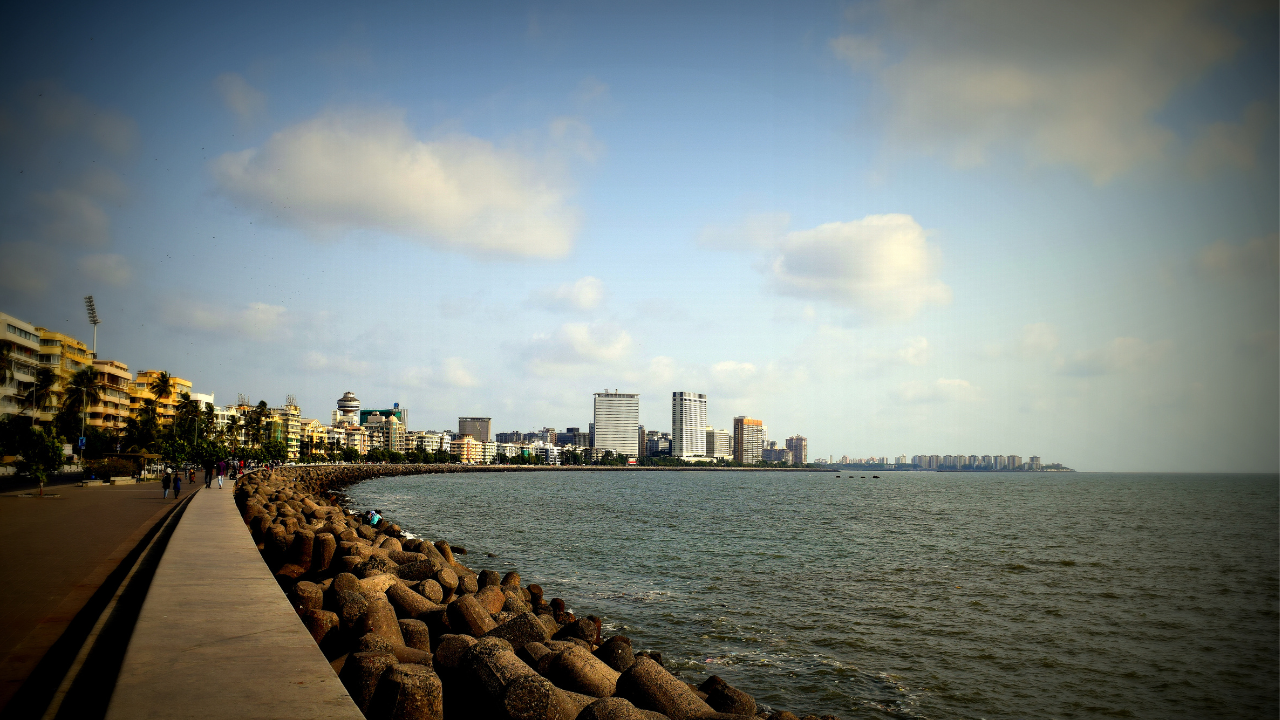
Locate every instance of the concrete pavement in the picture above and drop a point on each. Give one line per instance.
(216, 638)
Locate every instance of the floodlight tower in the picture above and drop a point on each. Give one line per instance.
(93, 320)
(84, 399)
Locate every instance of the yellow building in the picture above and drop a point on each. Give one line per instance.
(64, 355)
(467, 448)
(113, 406)
(166, 407)
(289, 418)
(24, 359)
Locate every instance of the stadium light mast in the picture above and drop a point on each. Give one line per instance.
(84, 393)
(93, 320)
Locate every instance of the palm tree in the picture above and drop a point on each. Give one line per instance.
(41, 391)
(82, 391)
(161, 386)
(233, 432)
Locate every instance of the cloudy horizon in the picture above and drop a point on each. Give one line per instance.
(891, 227)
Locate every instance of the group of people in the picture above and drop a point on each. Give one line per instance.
(173, 478)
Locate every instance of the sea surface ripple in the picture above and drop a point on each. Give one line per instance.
(919, 595)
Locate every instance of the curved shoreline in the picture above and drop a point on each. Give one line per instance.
(405, 623)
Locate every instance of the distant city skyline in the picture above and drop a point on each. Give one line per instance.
(889, 226)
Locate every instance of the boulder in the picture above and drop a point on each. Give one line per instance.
(520, 630)
(616, 652)
(415, 634)
(361, 674)
(650, 687)
(725, 698)
(576, 669)
(467, 616)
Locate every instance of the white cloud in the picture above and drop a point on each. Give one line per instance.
(452, 372)
(1257, 259)
(257, 320)
(916, 351)
(583, 294)
(1123, 354)
(350, 171)
(880, 265)
(455, 372)
(1037, 339)
(760, 231)
(577, 345)
(240, 97)
(1076, 84)
(344, 364)
(109, 268)
(941, 390)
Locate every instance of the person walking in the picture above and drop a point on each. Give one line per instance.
(177, 484)
(165, 482)
(222, 472)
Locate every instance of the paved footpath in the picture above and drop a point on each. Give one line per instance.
(59, 552)
(216, 638)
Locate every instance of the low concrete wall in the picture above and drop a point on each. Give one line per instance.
(216, 638)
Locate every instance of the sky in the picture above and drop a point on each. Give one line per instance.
(973, 227)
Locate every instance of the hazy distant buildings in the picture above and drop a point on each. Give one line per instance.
(688, 424)
(476, 427)
(617, 422)
(658, 444)
(776, 454)
(748, 440)
(799, 447)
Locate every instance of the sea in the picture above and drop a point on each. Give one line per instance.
(909, 595)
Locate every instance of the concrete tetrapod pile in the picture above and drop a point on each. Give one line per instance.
(414, 634)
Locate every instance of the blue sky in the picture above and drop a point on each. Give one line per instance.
(978, 227)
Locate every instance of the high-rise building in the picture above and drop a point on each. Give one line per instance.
(66, 356)
(719, 444)
(799, 447)
(399, 413)
(476, 427)
(167, 406)
(1034, 463)
(348, 412)
(617, 422)
(748, 440)
(1015, 462)
(688, 424)
(111, 409)
(657, 443)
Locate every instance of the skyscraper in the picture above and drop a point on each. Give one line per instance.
(617, 423)
(748, 440)
(688, 424)
(799, 447)
(476, 427)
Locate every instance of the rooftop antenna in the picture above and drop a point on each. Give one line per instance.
(93, 320)
(290, 400)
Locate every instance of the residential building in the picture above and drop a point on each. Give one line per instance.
(748, 440)
(510, 438)
(688, 424)
(573, 436)
(64, 355)
(1015, 462)
(312, 437)
(476, 427)
(111, 409)
(773, 453)
(799, 447)
(289, 419)
(488, 451)
(719, 443)
(24, 360)
(617, 420)
(166, 407)
(385, 431)
(901, 460)
(468, 449)
(1034, 463)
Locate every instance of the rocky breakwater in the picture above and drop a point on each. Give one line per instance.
(415, 634)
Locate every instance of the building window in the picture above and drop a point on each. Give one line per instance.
(24, 334)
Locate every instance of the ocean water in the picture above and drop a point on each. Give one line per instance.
(917, 595)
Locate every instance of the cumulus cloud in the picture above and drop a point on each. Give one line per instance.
(1037, 339)
(239, 96)
(1121, 355)
(1257, 259)
(1078, 84)
(880, 265)
(452, 372)
(915, 352)
(578, 345)
(941, 390)
(367, 171)
(46, 111)
(583, 294)
(109, 268)
(256, 320)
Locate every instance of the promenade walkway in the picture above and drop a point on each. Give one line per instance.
(60, 552)
(217, 639)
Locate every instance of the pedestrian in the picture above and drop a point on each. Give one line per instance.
(177, 484)
(222, 472)
(165, 482)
